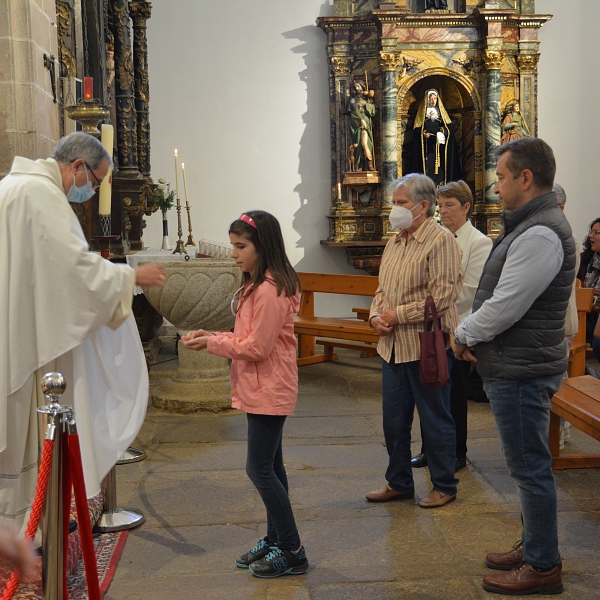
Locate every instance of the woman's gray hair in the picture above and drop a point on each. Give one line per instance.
(419, 187)
(81, 145)
(561, 197)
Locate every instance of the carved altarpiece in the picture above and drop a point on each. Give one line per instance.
(478, 58)
(88, 30)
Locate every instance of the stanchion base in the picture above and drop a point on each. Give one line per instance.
(132, 455)
(120, 520)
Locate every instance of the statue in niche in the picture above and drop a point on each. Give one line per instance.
(434, 147)
(513, 124)
(361, 110)
(436, 4)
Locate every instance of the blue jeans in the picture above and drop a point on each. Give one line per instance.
(402, 389)
(264, 466)
(522, 413)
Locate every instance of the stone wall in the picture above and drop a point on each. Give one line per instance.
(28, 115)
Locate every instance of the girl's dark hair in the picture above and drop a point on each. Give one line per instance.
(588, 253)
(268, 241)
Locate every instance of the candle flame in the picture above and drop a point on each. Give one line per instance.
(183, 165)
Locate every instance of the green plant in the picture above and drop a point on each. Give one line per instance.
(164, 196)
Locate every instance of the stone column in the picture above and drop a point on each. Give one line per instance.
(340, 67)
(493, 62)
(140, 13)
(528, 90)
(124, 92)
(388, 64)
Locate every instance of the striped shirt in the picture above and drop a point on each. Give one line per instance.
(413, 266)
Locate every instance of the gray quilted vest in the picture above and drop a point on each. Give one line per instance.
(534, 346)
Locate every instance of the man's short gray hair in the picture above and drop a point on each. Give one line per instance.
(560, 194)
(419, 187)
(81, 145)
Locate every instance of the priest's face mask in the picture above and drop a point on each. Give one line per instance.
(79, 194)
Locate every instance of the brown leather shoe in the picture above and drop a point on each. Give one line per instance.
(506, 561)
(386, 493)
(436, 499)
(524, 580)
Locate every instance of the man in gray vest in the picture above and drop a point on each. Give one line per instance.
(515, 333)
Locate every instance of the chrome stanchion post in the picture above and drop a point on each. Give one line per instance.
(53, 386)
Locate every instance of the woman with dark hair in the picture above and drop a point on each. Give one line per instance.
(589, 273)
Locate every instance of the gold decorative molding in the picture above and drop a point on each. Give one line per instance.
(389, 61)
(340, 65)
(64, 24)
(493, 60)
(528, 63)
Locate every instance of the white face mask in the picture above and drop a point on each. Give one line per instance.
(402, 218)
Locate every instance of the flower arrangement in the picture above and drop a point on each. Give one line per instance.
(436, 215)
(164, 196)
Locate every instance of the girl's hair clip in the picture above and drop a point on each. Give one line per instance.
(244, 217)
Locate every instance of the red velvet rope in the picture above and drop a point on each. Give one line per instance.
(85, 526)
(36, 511)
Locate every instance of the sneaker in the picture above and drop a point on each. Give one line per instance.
(280, 562)
(259, 551)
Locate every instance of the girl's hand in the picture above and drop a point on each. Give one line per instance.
(194, 334)
(195, 343)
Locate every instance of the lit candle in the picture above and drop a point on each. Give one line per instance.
(339, 191)
(176, 176)
(88, 87)
(107, 138)
(184, 184)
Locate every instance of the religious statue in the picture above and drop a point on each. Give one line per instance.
(436, 4)
(434, 148)
(513, 124)
(361, 108)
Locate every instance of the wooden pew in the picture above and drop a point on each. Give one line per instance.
(584, 298)
(577, 401)
(310, 328)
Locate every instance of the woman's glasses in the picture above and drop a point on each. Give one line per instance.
(235, 301)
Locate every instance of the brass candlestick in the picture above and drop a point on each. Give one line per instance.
(190, 240)
(339, 231)
(179, 247)
(88, 112)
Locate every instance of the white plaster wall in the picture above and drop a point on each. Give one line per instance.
(240, 89)
(568, 92)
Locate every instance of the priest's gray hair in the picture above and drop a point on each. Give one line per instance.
(561, 197)
(419, 187)
(81, 145)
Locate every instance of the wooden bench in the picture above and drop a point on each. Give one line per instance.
(584, 298)
(577, 401)
(311, 329)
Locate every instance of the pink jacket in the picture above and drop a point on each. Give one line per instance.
(264, 375)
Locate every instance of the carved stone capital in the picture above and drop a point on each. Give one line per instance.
(140, 12)
(389, 61)
(528, 63)
(493, 60)
(340, 65)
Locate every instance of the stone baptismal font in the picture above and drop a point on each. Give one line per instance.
(197, 295)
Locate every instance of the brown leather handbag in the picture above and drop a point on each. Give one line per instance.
(433, 362)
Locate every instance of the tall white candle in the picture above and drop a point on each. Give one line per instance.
(187, 203)
(107, 139)
(176, 176)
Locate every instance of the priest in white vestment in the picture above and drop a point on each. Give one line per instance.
(63, 308)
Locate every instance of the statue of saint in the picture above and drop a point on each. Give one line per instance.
(513, 124)
(436, 4)
(434, 148)
(361, 109)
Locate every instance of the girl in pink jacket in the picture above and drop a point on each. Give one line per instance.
(264, 379)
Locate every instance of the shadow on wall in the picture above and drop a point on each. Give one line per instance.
(314, 158)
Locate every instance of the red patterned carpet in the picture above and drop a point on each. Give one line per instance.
(108, 548)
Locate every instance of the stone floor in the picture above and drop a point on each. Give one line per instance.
(202, 511)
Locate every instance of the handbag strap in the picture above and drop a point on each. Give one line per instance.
(431, 317)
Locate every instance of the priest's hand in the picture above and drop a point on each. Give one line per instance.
(150, 275)
(191, 342)
(18, 552)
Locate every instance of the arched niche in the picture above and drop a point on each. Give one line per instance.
(463, 103)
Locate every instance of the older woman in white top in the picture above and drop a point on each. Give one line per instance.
(455, 202)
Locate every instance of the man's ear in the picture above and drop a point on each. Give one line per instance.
(527, 179)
